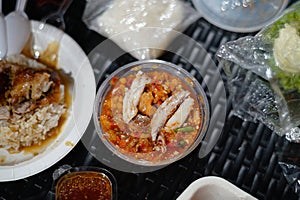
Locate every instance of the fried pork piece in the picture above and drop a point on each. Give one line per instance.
(30, 84)
(145, 104)
(154, 95)
(26, 88)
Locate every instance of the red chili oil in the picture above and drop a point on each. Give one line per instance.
(84, 185)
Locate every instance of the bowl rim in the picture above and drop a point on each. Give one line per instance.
(205, 110)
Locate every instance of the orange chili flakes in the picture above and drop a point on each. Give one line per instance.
(84, 185)
(114, 80)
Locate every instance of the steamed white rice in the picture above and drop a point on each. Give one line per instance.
(31, 128)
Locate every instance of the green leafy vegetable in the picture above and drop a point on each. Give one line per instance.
(292, 18)
(287, 80)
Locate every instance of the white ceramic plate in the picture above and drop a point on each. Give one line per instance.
(72, 59)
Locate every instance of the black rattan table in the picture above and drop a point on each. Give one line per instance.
(246, 153)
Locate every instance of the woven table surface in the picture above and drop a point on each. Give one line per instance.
(246, 153)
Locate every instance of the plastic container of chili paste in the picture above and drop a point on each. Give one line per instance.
(151, 113)
(84, 182)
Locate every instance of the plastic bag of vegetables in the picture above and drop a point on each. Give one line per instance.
(264, 74)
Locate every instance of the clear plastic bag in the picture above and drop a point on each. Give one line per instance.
(270, 61)
(292, 175)
(140, 27)
(289, 162)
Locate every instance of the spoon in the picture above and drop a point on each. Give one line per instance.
(3, 37)
(56, 19)
(18, 29)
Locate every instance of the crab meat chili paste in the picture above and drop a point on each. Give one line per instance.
(151, 115)
(84, 185)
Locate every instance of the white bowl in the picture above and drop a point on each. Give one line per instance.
(214, 188)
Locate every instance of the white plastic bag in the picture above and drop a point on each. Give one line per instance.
(141, 27)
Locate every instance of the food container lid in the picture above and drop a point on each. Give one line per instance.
(240, 15)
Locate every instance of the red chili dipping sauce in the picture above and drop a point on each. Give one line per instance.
(84, 185)
(151, 116)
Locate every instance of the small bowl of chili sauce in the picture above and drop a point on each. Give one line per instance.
(84, 182)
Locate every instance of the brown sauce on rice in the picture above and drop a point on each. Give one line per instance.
(40, 144)
(54, 132)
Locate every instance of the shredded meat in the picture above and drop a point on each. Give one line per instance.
(4, 113)
(24, 107)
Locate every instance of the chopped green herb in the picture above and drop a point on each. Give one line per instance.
(184, 129)
(182, 143)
